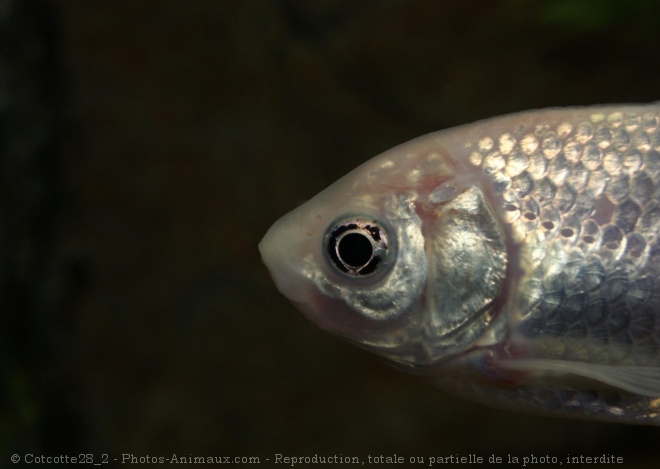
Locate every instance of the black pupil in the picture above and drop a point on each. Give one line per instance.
(355, 249)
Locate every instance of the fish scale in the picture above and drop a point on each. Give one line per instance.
(520, 265)
(611, 244)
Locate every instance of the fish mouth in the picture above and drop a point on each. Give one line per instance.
(281, 253)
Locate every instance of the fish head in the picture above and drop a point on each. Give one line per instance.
(403, 256)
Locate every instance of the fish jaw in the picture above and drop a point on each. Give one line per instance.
(282, 251)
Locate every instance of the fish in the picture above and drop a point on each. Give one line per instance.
(514, 261)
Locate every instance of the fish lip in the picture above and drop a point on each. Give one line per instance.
(280, 254)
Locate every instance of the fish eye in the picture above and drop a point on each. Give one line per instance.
(358, 246)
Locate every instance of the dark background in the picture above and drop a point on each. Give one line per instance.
(147, 145)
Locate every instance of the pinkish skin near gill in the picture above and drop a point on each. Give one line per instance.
(514, 261)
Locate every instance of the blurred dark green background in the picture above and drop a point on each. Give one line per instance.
(147, 145)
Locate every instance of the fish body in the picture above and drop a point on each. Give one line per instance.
(514, 261)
